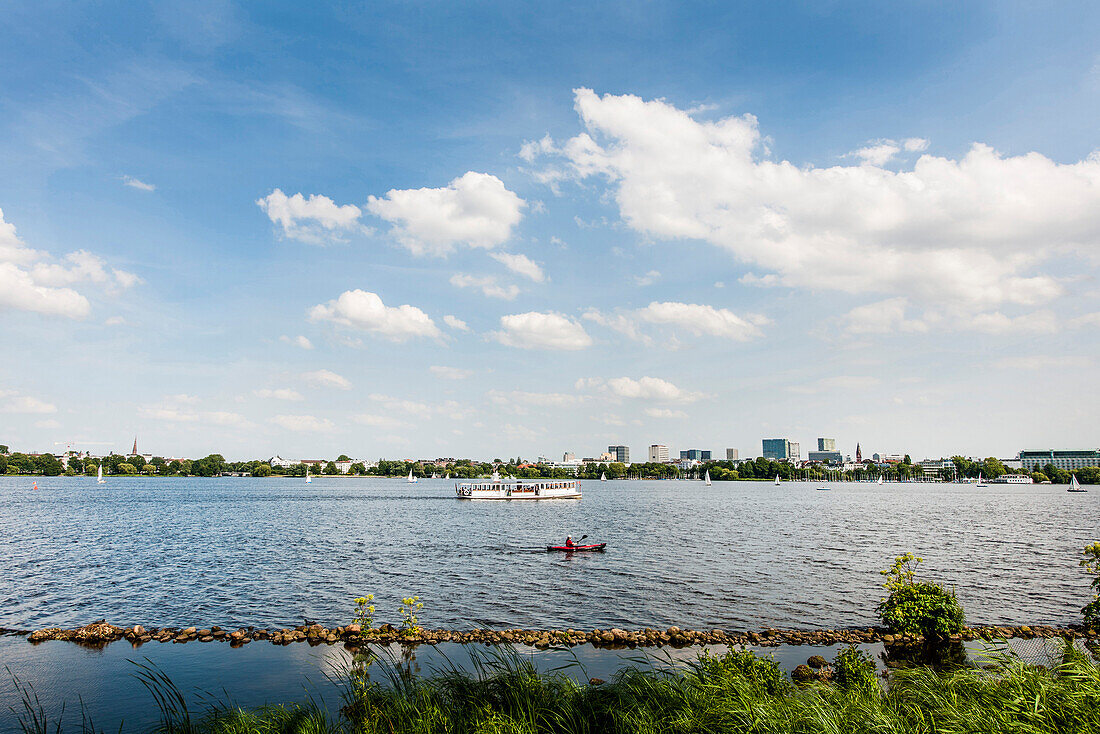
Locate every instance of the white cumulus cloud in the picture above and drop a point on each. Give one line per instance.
(665, 413)
(299, 341)
(32, 280)
(520, 264)
(455, 323)
(650, 388)
(326, 378)
(450, 373)
(366, 311)
(315, 220)
(645, 388)
(487, 284)
(475, 209)
(965, 235)
(534, 330)
(691, 318)
(25, 404)
(280, 393)
(304, 423)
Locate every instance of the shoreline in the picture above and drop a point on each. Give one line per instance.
(98, 634)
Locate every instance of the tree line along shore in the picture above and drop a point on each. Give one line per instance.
(215, 465)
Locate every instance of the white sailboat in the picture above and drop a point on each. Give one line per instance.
(880, 480)
(1074, 485)
(308, 477)
(99, 476)
(706, 479)
(777, 480)
(603, 477)
(411, 479)
(980, 483)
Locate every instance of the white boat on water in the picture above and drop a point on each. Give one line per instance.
(522, 489)
(1012, 479)
(1075, 486)
(706, 479)
(411, 479)
(99, 476)
(777, 480)
(980, 483)
(880, 480)
(603, 477)
(308, 477)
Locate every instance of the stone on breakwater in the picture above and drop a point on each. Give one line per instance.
(96, 632)
(100, 633)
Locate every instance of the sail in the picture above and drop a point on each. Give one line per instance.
(707, 478)
(603, 477)
(496, 476)
(881, 480)
(411, 479)
(777, 480)
(1073, 483)
(308, 477)
(99, 475)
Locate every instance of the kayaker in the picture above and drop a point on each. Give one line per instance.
(569, 541)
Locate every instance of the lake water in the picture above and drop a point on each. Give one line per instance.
(276, 552)
(737, 555)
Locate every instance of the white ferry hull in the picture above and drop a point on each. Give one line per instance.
(519, 492)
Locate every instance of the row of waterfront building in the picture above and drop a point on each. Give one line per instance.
(785, 450)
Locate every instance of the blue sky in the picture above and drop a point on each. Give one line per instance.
(511, 229)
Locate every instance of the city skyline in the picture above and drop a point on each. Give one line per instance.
(600, 227)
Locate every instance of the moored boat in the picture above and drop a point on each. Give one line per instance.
(523, 489)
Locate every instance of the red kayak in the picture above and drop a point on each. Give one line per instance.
(571, 548)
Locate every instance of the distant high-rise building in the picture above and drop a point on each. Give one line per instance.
(826, 457)
(732, 455)
(695, 455)
(826, 444)
(657, 452)
(619, 453)
(780, 449)
(568, 457)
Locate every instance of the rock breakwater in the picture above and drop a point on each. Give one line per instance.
(100, 633)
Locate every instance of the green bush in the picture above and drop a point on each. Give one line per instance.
(918, 608)
(1091, 563)
(854, 670)
(742, 665)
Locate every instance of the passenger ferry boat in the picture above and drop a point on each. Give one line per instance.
(1012, 479)
(523, 489)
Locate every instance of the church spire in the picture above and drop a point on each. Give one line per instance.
(134, 452)
(859, 454)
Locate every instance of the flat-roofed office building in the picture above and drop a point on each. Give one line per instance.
(619, 453)
(657, 452)
(1068, 459)
(780, 449)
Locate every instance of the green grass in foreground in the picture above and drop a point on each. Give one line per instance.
(737, 692)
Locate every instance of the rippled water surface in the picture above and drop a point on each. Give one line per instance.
(734, 555)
